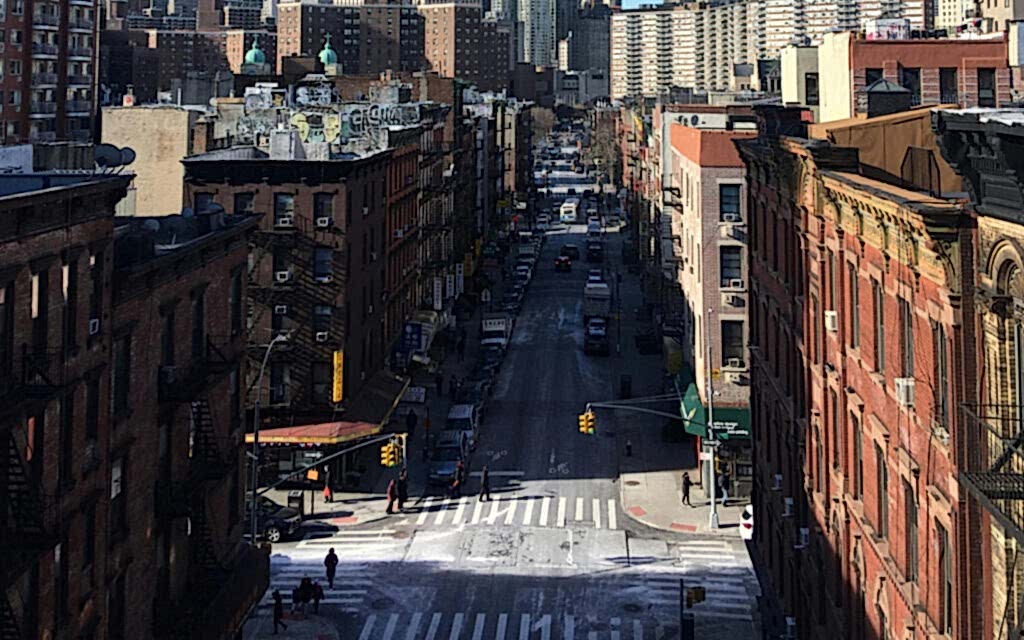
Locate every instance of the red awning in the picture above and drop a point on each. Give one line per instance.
(325, 433)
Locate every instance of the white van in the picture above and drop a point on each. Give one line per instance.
(464, 418)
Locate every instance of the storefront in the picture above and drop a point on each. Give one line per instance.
(730, 428)
(288, 449)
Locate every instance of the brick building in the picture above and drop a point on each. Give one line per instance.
(238, 42)
(402, 234)
(319, 269)
(860, 344)
(126, 60)
(460, 43)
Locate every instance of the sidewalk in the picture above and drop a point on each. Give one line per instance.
(312, 627)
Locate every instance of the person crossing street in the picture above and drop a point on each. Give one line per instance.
(331, 563)
(485, 485)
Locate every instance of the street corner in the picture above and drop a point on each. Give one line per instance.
(310, 627)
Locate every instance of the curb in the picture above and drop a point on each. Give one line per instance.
(637, 513)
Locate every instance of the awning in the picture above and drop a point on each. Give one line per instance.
(731, 423)
(324, 433)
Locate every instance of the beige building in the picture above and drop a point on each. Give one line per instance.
(159, 174)
(800, 79)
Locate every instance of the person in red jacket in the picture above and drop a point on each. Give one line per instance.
(392, 496)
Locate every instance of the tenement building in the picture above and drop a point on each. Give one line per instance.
(861, 349)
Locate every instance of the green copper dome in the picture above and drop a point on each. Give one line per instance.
(255, 55)
(327, 54)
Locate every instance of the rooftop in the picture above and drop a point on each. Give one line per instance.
(23, 184)
(143, 240)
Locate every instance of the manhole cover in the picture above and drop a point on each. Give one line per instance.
(632, 483)
(400, 535)
(381, 603)
(632, 607)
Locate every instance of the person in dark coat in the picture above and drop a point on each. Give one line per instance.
(410, 422)
(456, 488)
(318, 595)
(687, 483)
(392, 496)
(331, 562)
(278, 612)
(403, 489)
(485, 485)
(723, 487)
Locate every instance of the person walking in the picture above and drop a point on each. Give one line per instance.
(410, 422)
(328, 491)
(392, 496)
(403, 488)
(318, 595)
(485, 485)
(723, 486)
(456, 488)
(278, 612)
(687, 483)
(331, 562)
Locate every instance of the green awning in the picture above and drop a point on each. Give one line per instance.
(731, 423)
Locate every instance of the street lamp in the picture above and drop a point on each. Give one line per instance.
(710, 449)
(255, 455)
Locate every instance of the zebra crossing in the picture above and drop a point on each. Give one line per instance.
(524, 511)
(351, 583)
(510, 626)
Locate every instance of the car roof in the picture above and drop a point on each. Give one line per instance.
(568, 244)
(460, 411)
(449, 438)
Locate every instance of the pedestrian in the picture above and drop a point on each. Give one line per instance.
(456, 488)
(723, 486)
(328, 491)
(331, 562)
(392, 496)
(296, 600)
(452, 387)
(403, 488)
(278, 612)
(318, 595)
(687, 483)
(305, 594)
(460, 471)
(410, 422)
(439, 382)
(462, 348)
(485, 485)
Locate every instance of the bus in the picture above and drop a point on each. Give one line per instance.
(569, 210)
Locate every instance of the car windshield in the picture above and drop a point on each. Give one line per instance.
(446, 454)
(460, 424)
(490, 335)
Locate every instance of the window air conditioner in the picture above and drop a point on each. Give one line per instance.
(777, 486)
(285, 221)
(803, 538)
(787, 510)
(731, 217)
(736, 283)
(734, 363)
(282, 276)
(321, 336)
(905, 391)
(94, 326)
(327, 279)
(831, 321)
(280, 309)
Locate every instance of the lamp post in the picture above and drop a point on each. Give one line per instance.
(255, 455)
(713, 518)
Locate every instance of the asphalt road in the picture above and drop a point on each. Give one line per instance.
(552, 556)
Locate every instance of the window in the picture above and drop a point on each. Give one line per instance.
(40, 312)
(819, 461)
(906, 338)
(202, 201)
(910, 505)
(854, 306)
(92, 408)
(323, 205)
(731, 266)
(941, 375)
(322, 372)
(245, 203)
(832, 277)
(322, 263)
(116, 610)
(277, 383)
(118, 501)
(858, 458)
(815, 321)
(945, 580)
(836, 449)
(236, 304)
(882, 483)
(878, 299)
(732, 343)
(986, 87)
(234, 398)
(729, 202)
(872, 76)
(198, 326)
(910, 79)
(167, 339)
(811, 89)
(70, 273)
(948, 86)
(322, 317)
(121, 374)
(284, 209)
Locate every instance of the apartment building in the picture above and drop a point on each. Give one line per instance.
(460, 43)
(780, 23)
(535, 23)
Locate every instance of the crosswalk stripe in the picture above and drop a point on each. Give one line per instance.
(524, 626)
(510, 515)
(561, 512)
(414, 626)
(460, 512)
(499, 633)
(368, 627)
(435, 622)
(544, 624)
(478, 629)
(638, 630)
(442, 510)
(569, 630)
(389, 630)
(545, 504)
(477, 510)
(596, 506)
(579, 509)
(528, 515)
(612, 517)
(425, 511)
(456, 627)
(493, 515)
(616, 635)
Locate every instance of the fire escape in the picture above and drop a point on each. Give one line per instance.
(30, 518)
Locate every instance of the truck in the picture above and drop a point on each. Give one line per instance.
(597, 301)
(495, 329)
(569, 211)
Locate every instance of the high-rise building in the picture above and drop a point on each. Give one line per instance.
(536, 24)
(783, 22)
(460, 43)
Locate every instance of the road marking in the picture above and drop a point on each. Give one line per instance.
(561, 513)
(477, 511)
(414, 626)
(493, 515)
(579, 509)
(499, 633)
(569, 629)
(478, 629)
(368, 627)
(524, 626)
(389, 630)
(424, 511)
(545, 504)
(612, 517)
(596, 506)
(510, 516)
(544, 626)
(528, 516)
(638, 630)
(460, 512)
(435, 622)
(499, 474)
(616, 623)
(442, 510)
(456, 627)
(551, 458)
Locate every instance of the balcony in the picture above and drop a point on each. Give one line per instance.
(177, 384)
(37, 108)
(79, 106)
(81, 23)
(994, 473)
(39, 79)
(80, 52)
(80, 80)
(45, 20)
(44, 48)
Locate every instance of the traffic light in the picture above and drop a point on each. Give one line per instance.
(388, 455)
(588, 422)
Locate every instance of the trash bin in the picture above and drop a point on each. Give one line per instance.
(297, 501)
(625, 387)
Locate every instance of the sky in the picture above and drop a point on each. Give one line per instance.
(633, 4)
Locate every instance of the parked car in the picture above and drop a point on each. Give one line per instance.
(464, 418)
(570, 251)
(450, 449)
(597, 327)
(275, 522)
(563, 263)
(475, 394)
(490, 359)
(595, 276)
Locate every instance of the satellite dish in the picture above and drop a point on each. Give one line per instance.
(187, 212)
(127, 156)
(107, 156)
(694, 120)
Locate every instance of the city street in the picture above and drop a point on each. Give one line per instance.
(553, 555)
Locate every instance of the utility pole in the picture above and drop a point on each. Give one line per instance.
(255, 455)
(709, 442)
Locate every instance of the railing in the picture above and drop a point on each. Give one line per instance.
(44, 78)
(79, 106)
(994, 473)
(81, 135)
(29, 517)
(81, 23)
(80, 52)
(45, 20)
(79, 79)
(177, 384)
(949, 98)
(43, 107)
(45, 48)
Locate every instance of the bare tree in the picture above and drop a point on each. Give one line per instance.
(543, 122)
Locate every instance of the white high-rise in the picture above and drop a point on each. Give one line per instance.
(807, 21)
(537, 23)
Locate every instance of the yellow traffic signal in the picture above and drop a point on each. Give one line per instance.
(587, 421)
(388, 455)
